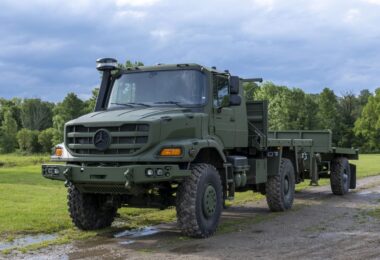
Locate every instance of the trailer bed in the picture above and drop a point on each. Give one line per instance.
(319, 141)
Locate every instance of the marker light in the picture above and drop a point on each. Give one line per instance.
(58, 151)
(171, 152)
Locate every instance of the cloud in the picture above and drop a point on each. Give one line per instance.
(136, 2)
(49, 48)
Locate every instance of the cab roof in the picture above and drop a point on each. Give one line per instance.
(173, 67)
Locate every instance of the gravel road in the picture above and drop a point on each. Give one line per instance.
(320, 226)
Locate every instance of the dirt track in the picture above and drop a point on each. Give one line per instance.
(321, 226)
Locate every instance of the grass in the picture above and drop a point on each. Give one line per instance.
(14, 159)
(367, 165)
(32, 204)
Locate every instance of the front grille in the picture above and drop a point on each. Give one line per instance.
(126, 139)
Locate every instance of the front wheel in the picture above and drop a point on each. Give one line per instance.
(280, 188)
(89, 211)
(200, 201)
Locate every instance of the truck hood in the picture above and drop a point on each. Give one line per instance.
(134, 114)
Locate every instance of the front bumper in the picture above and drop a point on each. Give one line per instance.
(125, 175)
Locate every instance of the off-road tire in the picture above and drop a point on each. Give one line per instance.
(89, 211)
(340, 176)
(280, 188)
(191, 216)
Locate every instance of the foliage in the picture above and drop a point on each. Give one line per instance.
(36, 114)
(8, 133)
(368, 124)
(89, 104)
(71, 107)
(327, 115)
(46, 138)
(28, 140)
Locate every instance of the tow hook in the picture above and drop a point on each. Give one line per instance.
(129, 176)
(67, 174)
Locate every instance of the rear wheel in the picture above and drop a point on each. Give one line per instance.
(340, 176)
(280, 188)
(200, 201)
(90, 211)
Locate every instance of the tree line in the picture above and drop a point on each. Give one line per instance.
(32, 125)
(353, 119)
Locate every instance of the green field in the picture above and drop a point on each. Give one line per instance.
(32, 204)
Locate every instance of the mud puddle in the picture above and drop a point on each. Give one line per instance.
(27, 241)
(136, 233)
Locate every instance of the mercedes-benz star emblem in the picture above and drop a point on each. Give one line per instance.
(102, 139)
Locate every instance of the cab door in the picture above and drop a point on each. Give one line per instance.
(223, 115)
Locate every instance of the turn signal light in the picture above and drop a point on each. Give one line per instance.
(58, 151)
(171, 152)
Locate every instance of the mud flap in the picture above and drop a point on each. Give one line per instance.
(353, 176)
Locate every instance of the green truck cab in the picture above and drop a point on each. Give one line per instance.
(183, 135)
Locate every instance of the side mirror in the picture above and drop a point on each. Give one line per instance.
(234, 85)
(235, 100)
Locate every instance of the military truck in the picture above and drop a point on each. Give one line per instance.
(183, 135)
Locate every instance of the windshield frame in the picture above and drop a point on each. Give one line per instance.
(122, 72)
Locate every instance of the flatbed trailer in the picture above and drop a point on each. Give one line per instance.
(316, 143)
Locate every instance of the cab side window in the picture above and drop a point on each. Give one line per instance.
(221, 90)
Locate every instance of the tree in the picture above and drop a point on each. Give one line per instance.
(368, 124)
(328, 113)
(249, 90)
(275, 95)
(348, 111)
(46, 138)
(28, 140)
(71, 107)
(13, 106)
(8, 132)
(36, 114)
(89, 104)
(311, 108)
(287, 107)
(131, 64)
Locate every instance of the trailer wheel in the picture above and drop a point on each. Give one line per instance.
(340, 176)
(89, 211)
(200, 201)
(280, 188)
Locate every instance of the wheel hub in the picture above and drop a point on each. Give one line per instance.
(209, 201)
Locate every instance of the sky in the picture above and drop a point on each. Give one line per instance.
(48, 47)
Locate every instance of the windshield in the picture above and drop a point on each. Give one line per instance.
(176, 87)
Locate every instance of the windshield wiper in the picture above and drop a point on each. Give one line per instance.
(169, 102)
(121, 104)
(141, 104)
